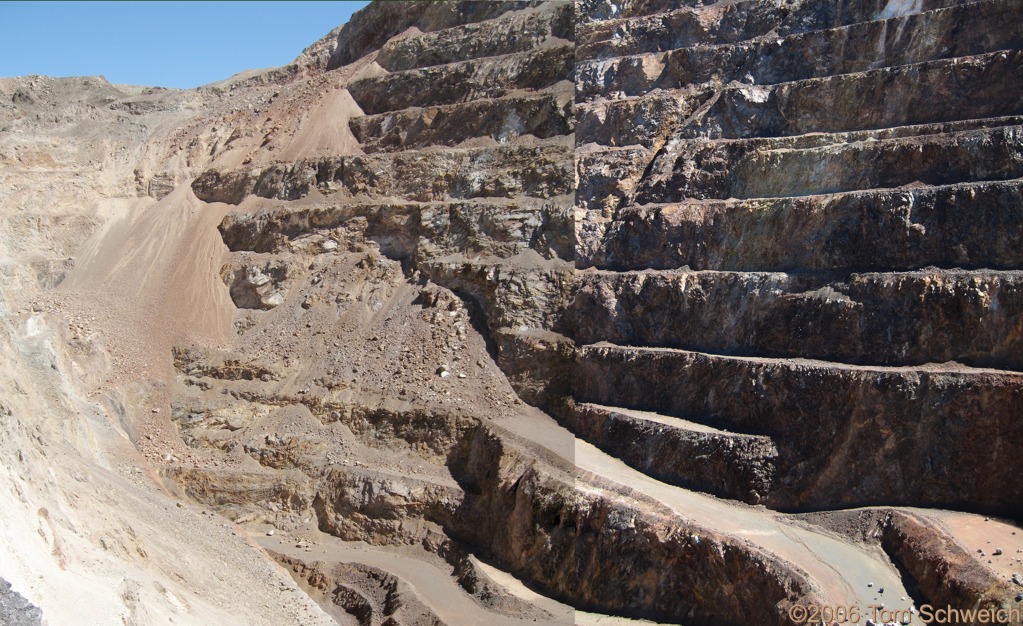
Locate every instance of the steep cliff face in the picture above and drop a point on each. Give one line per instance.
(798, 239)
(478, 301)
(748, 209)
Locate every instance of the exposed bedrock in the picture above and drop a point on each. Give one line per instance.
(464, 81)
(369, 594)
(677, 451)
(770, 55)
(505, 257)
(609, 30)
(606, 553)
(466, 178)
(797, 244)
(519, 32)
(518, 308)
(484, 227)
(971, 88)
(765, 251)
(368, 31)
(845, 435)
(973, 225)
(893, 318)
(499, 172)
(493, 493)
(942, 569)
(541, 116)
(749, 170)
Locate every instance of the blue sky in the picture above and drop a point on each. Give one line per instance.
(166, 44)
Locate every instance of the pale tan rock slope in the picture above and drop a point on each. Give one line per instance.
(300, 347)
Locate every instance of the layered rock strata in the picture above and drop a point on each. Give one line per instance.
(797, 236)
(620, 303)
(758, 229)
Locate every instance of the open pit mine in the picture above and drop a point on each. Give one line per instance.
(535, 312)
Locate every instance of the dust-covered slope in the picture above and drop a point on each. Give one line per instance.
(90, 535)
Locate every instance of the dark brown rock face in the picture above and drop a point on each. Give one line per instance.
(860, 209)
(846, 435)
(798, 244)
(769, 251)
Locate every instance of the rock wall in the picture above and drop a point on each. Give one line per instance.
(735, 246)
(798, 223)
(624, 301)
